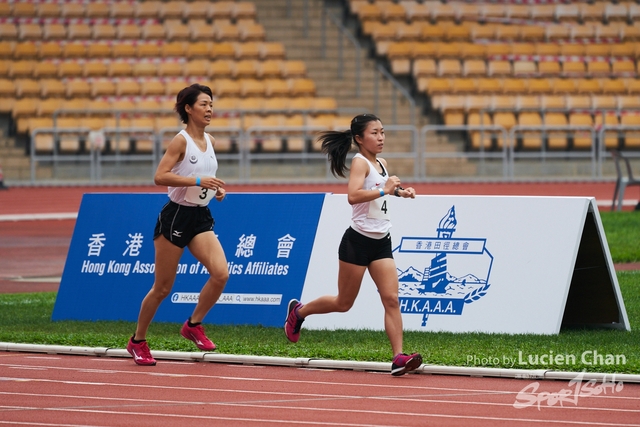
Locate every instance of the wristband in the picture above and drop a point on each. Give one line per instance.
(396, 192)
(381, 192)
(198, 181)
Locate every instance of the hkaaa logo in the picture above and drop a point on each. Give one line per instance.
(439, 274)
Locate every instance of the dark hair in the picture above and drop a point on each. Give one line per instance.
(189, 96)
(336, 144)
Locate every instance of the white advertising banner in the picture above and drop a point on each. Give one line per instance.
(495, 264)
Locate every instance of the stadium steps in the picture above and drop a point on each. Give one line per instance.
(287, 26)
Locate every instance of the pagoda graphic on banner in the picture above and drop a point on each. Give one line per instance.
(442, 273)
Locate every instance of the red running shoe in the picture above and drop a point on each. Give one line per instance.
(141, 353)
(404, 363)
(294, 322)
(197, 335)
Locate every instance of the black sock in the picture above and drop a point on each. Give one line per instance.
(136, 341)
(192, 325)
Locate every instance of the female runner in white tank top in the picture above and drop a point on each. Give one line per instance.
(188, 168)
(366, 245)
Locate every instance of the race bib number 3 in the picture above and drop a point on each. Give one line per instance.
(199, 196)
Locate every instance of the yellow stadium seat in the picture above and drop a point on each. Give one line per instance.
(533, 32)
(102, 87)
(147, 50)
(128, 32)
(152, 87)
(474, 67)
(528, 102)
(74, 50)
(172, 9)
(549, 68)
(70, 68)
(499, 68)
(245, 68)
(49, 49)
(631, 137)
(524, 68)
(547, 49)
(144, 68)
(609, 119)
(567, 12)
(488, 85)
(530, 139)
(552, 102)
(222, 10)
(556, 32)
(25, 50)
(294, 69)
(54, 30)
(78, 88)
(449, 67)
(556, 139)
(505, 119)
(121, 9)
(623, 67)
(578, 102)
(127, 87)
(120, 68)
(79, 31)
(564, 86)
(24, 10)
(52, 88)
(221, 68)
(173, 49)
(94, 68)
(176, 30)
(424, 67)
(252, 31)
(614, 86)
(573, 68)
(598, 68)
(103, 31)
(170, 68)
(226, 31)
(94, 10)
(539, 86)
(588, 86)
(302, 87)
(276, 88)
(581, 139)
(98, 49)
(227, 87)
(220, 50)
(40, 69)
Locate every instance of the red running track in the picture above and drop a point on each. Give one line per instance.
(55, 390)
(61, 390)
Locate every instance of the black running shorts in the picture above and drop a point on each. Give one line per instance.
(179, 224)
(358, 249)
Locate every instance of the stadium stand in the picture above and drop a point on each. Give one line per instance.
(560, 63)
(118, 59)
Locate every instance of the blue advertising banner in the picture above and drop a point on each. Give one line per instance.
(267, 239)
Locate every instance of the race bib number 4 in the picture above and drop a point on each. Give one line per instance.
(199, 196)
(378, 209)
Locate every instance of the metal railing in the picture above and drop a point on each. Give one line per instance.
(415, 157)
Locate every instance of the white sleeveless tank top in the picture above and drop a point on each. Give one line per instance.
(195, 163)
(368, 218)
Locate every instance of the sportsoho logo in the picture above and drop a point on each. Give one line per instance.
(430, 284)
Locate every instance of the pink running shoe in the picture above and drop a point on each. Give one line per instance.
(197, 335)
(294, 322)
(141, 353)
(404, 363)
